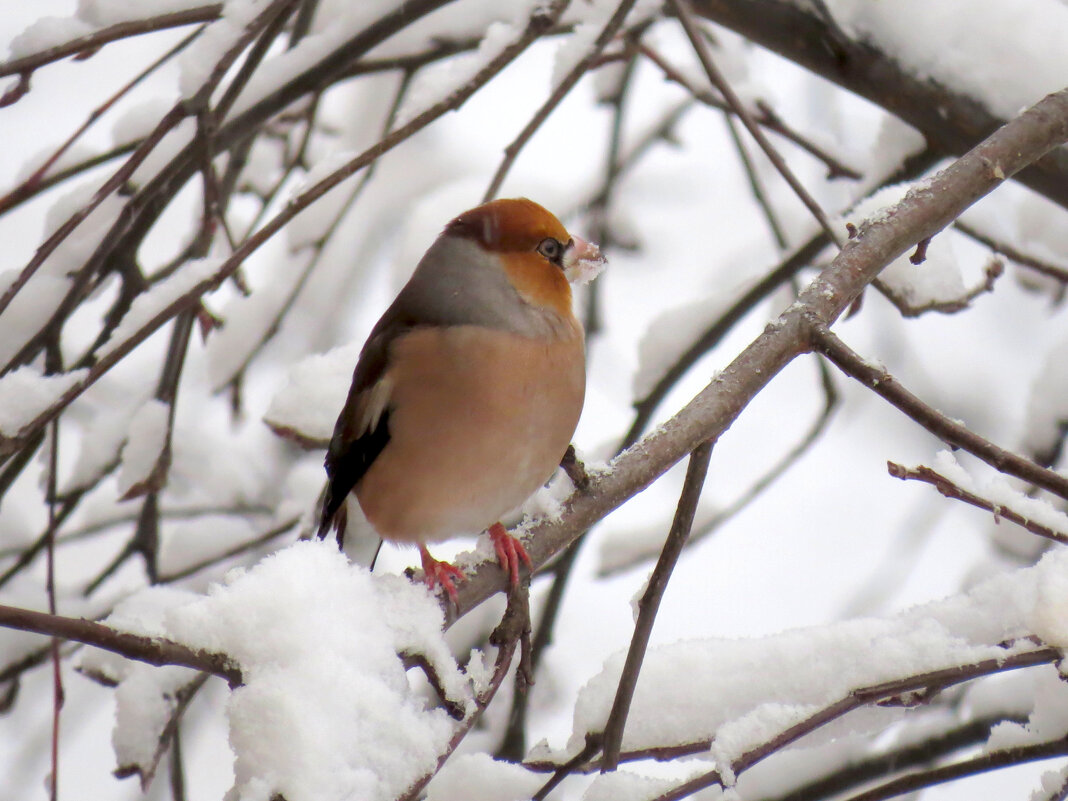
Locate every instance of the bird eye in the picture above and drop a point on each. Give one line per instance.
(551, 249)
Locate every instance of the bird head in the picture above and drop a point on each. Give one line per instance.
(536, 252)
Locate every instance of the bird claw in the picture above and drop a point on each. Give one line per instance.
(441, 573)
(509, 551)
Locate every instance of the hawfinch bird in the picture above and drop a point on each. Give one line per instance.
(469, 388)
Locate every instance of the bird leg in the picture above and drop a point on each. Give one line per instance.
(509, 552)
(442, 573)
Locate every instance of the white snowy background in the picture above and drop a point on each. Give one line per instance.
(837, 577)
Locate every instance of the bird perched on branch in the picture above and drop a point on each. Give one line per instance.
(469, 388)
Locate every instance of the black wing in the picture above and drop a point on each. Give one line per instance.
(354, 445)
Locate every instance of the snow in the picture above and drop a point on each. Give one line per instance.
(41, 295)
(1047, 405)
(145, 440)
(965, 44)
(199, 60)
(1000, 492)
(737, 693)
(149, 304)
(103, 13)
(27, 310)
(935, 280)
(309, 403)
(671, 332)
(622, 785)
(480, 777)
(326, 710)
(91, 16)
(26, 392)
(140, 119)
(1048, 720)
(45, 33)
(103, 414)
(433, 85)
(249, 321)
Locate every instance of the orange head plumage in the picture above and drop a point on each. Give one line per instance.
(531, 244)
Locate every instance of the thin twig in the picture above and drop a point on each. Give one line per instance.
(153, 650)
(994, 760)
(50, 588)
(763, 115)
(700, 46)
(949, 489)
(33, 184)
(615, 22)
(97, 39)
(936, 680)
(991, 274)
(542, 18)
(869, 768)
(949, 431)
(1013, 253)
(649, 604)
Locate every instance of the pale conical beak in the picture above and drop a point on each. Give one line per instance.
(583, 261)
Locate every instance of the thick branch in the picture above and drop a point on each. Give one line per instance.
(951, 122)
(921, 214)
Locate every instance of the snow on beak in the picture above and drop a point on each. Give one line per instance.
(583, 261)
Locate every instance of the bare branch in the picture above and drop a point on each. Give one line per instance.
(951, 490)
(650, 602)
(97, 39)
(153, 650)
(949, 431)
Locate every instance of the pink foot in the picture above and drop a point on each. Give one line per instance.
(440, 573)
(509, 552)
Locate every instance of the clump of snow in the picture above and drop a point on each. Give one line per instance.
(249, 322)
(145, 697)
(436, 82)
(45, 33)
(28, 310)
(592, 17)
(672, 331)
(623, 785)
(326, 710)
(935, 280)
(102, 13)
(27, 392)
(1048, 719)
(145, 440)
(102, 414)
(308, 405)
(965, 44)
(140, 119)
(737, 692)
(480, 777)
(1047, 404)
(148, 304)
(895, 142)
(1052, 784)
